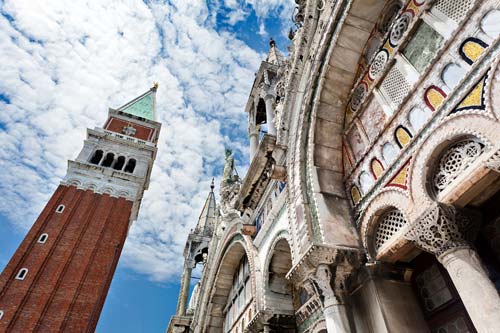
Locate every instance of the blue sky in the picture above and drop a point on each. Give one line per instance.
(63, 63)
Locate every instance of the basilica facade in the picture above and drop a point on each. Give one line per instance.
(371, 200)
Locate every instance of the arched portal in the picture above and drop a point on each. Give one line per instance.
(230, 305)
(279, 290)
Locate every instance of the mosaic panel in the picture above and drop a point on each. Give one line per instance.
(373, 119)
(423, 46)
(356, 142)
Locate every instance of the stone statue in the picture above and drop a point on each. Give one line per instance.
(230, 186)
(227, 175)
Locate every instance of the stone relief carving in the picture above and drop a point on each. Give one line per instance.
(322, 279)
(442, 228)
(494, 161)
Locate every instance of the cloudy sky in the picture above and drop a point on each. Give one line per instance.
(62, 63)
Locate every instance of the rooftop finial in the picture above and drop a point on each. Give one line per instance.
(212, 186)
(272, 43)
(155, 86)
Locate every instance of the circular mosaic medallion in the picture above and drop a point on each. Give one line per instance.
(399, 28)
(378, 64)
(358, 96)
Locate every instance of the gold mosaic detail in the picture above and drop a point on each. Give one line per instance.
(474, 98)
(472, 50)
(434, 98)
(377, 168)
(355, 195)
(401, 178)
(403, 137)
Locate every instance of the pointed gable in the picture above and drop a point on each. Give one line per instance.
(143, 106)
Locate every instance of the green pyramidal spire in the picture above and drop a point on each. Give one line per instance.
(143, 106)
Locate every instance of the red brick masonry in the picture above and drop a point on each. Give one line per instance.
(68, 276)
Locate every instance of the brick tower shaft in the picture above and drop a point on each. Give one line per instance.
(58, 278)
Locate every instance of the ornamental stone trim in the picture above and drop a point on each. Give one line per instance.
(378, 64)
(493, 162)
(489, 58)
(442, 228)
(399, 28)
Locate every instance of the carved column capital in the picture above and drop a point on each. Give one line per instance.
(253, 129)
(190, 263)
(322, 279)
(442, 228)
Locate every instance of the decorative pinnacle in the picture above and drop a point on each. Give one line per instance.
(272, 43)
(155, 86)
(212, 186)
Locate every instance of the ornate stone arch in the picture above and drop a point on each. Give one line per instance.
(369, 220)
(321, 89)
(452, 130)
(233, 248)
(74, 182)
(107, 190)
(318, 327)
(279, 243)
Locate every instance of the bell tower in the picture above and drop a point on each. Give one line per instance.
(59, 276)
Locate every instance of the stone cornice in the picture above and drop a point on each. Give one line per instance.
(320, 254)
(121, 139)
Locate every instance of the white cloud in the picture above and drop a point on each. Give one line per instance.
(63, 63)
(236, 16)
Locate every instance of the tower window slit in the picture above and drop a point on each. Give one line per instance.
(96, 158)
(22, 274)
(43, 238)
(1, 314)
(130, 166)
(119, 163)
(108, 161)
(60, 209)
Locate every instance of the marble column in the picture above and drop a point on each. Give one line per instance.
(184, 292)
(334, 308)
(445, 232)
(253, 135)
(271, 127)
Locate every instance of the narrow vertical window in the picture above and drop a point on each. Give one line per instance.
(22, 274)
(120, 162)
(1, 314)
(60, 209)
(96, 158)
(43, 238)
(130, 166)
(108, 161)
